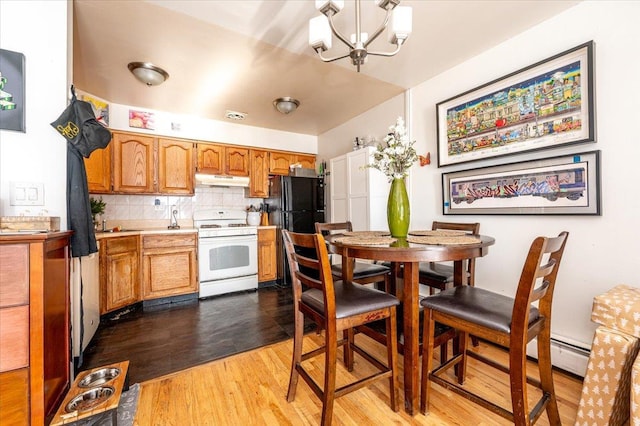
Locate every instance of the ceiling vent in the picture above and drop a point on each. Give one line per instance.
(235, 115)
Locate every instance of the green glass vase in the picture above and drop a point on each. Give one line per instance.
(398, 214)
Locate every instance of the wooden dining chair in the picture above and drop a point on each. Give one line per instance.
(335, 306)
(439, 275)
(505, 321)
(363, 272)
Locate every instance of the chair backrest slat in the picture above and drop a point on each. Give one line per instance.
(311, 271)
(538, 279)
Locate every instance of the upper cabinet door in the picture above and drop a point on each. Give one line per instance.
(133, 163)
(237, 161)
(175, 167)
(279, 163)
(98, 167)
(211, 159)
(259, 182)
(306, 161)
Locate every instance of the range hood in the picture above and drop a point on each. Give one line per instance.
(217, 180)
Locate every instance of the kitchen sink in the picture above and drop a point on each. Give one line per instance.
(121, 230)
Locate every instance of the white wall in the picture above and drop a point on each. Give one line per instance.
(38, 29)
(601, 251)
(374, 122)
(214, 131)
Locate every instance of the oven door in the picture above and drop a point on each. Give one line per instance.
(227, 257)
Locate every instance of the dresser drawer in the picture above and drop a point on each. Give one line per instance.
(14, 403)
(14, 274)
(14, 334)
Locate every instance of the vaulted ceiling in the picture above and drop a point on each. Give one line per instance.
(241, 55)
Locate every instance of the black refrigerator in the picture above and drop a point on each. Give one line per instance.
(295, 203)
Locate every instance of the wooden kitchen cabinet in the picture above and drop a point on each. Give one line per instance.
(306, 161)
(279, 162)
(259, 173)
(237, 161)
(267, 255)
(98, 167)
(175, 167)
(133, 163)
(169, 265)
(211, 159)
(119, 272)
(34, 326)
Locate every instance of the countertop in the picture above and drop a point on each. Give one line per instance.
(126, 232)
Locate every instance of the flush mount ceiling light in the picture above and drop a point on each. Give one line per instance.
(321, 27)
(286, 105)
(148, 73)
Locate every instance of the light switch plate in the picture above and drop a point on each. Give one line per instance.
(26, 194)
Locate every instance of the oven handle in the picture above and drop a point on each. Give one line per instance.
(225, 239)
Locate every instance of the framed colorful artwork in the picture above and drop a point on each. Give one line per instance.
(545, 105)
(12, 94)
(564, 185)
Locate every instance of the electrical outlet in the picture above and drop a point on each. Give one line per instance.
(158, 205)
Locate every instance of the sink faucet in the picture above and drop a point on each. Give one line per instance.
(173, 224)
(104, 225)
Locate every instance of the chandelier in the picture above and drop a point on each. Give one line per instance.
(321, 27)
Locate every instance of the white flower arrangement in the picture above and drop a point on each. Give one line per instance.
(397, 155)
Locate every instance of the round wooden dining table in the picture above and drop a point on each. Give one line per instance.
(409, 254)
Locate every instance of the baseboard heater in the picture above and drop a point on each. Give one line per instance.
(564, 356)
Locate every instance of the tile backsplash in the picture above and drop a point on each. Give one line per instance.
(144, 207)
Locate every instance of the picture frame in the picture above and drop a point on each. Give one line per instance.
(545, 105)
(12, 91)
(562, 185)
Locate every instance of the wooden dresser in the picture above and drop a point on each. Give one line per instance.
(34, 326)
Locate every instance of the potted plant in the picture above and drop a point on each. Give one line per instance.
(97, 208)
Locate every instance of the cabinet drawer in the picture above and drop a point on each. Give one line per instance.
(121, 245)
(14, 403)
(176, 240)
(14, 274)
(14, 337)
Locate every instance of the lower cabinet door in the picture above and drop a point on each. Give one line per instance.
(169, 272)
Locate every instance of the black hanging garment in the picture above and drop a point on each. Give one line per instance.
(84, 134)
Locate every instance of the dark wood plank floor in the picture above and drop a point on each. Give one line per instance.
(171, 337)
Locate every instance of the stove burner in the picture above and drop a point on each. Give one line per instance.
(210, 226)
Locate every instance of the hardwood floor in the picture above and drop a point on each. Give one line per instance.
(170, 349)
(251, 388)
(172, 337)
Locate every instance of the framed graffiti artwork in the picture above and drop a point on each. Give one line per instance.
(12, 92)
(564, 185)
(545, 105)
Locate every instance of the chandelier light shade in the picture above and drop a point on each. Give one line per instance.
(322, 29)
(286, 105)
(148, 73)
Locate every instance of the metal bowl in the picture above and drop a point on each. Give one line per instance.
(90, 399)
(99, 377)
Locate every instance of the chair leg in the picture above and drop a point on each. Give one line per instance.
(518, 379)
(427, 359)
(348, 335)
(297, 355)
(329, 390)
(392, 358)
(460, 347)
(546, 375)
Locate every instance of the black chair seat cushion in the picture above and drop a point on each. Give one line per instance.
(351, 299)
(482, 307)
(437, 272)
(362, 270)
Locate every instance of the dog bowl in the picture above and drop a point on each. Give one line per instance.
(99, 377)
(90, 399)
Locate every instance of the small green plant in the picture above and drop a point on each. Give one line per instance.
(97, 206)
